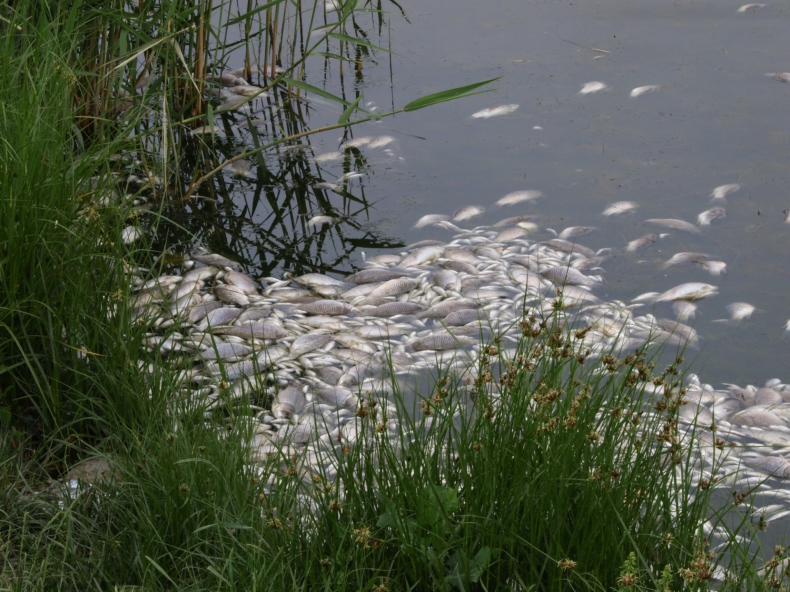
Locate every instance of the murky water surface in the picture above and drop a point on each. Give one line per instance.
(716, 120)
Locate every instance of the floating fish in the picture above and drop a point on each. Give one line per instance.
(518, 197)
(381, 141)
(422, 256)
(321, 220)
(467, 212)
(711, 215)
(572, 231)
(348, 176)
(714, 267)
(510, 234)
(566, 275)
(130, 234)
(619, 207)
(685, 258)
(684, 310)
(242, 168)
(690, 291)
(740, 310)
(328, 157)
(324, 185)
(641, 242)
(780, 76)
(722, 191)
(430, 219)
(592, 87)
(494, 111)
(355, 143)
(674, 223)
(643, 90)
(754, 6)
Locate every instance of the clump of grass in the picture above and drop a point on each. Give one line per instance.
(549, 470)
(61, 274)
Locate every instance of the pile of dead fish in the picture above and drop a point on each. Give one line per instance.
(311, 349)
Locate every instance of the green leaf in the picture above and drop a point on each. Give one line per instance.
(247, 15)
(447, 95)
(349, 110)
(357, 41)
(314, 89)
(348, 8)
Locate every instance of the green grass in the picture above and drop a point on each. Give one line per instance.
(545, 474)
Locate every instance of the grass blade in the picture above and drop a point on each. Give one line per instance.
(447, 95)
(349, 110)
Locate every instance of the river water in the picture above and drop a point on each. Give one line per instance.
(716, 120)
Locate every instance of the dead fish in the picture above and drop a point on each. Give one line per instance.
(463, 317)
(233, 371)
(559, 244)
(325, 185)
(767, 396)
(515, 220)
(494, 111)
(518, 196)
(214, 259)
(242, 281)
(641, 242)
(746, 7)
(321, 220)
(130, 234)
(566, 275)
(308, 342)
(430, 219)
(377, 331)
(312, 280)
(385, 259)
(350, 175)
(572, 231)
(198, 312)
(328, 157)
(391, 309)
(780, 76)
(219, 316)
(441, 342)
(422, 256)
(685, 258)
(394, 287)
(249, 90)
(381, 141)
(509, 235)
(467, 212)
(355, 143)
(711, 215)
(200, 273)
(740, 310)
(326, 307)
(459, 266)
(592, 87)
(424, 243)
(774, 465)
(227, 352)
(368, 276)
(288, 401)
(675, 224)
(643, 90)
(713, 267)
(337, 396)
(722, 191)
(442, 309)
(253, 330)
(689, 291)
(619, 207)
(231, 294)
(444, 278)
(255, 314)
(684, 310)
(228, 80)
